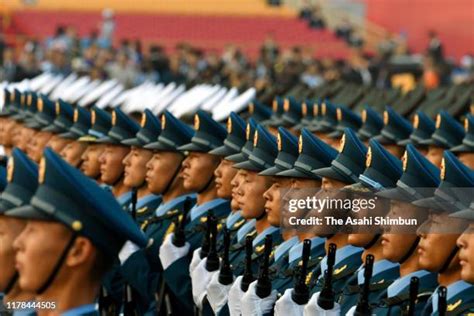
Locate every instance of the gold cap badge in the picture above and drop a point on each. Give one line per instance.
(196, 122)
(143, 120)
(10, 169)
(368, 157)
(229, 125)
(41, 170)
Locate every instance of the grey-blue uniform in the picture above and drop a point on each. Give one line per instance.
(382, 171)
(419, 180)
(149, 132)
(208, 135)
(233, 143)
(452, 195)
(68, 197)
(346, 167)
(123, 127)
(312, 154)
(142, 270)
(22, 184)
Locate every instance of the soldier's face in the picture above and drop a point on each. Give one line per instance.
(395, 150)
(466, 254)
(273, 198)
(10, 228)
(435, 155)
(198, 170)
(23, 137)
(38, 248)
(6, 130)
(73, 151)
(224, 175)
(250, 194)
(37, 144)
(90, 160)
(57, 143)
(467, 159)
(435, 248)
(111, 167)
(161, 169)
(395, 245)
(135, 167)
(235, 183)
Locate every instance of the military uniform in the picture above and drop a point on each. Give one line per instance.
(100, 220)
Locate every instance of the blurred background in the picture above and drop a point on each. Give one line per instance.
(242, 43)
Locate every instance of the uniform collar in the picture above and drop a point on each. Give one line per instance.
(297, 250)
(81, 310)
(147, 199)
(245, 229)
(344, 254)
(285, 246)
(381, 269)
(198, 210)
(454, 289)
(260, 237)
(232, 219)
(427, 279)
(165, 207)
(124, 198)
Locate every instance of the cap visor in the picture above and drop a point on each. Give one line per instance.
(53, 129)
(222, 151)
(107, 140)
(464, 214)
(335, 134)
(383, 140)
(28, 212)
(404, 142)
(395, 194)
(462, 149)
(5, 206)
(247, 165)
(192, 147)
(430, 203)
(330, 173)
(273, 171)
(132, 142)
(236, 158)
(295, 173)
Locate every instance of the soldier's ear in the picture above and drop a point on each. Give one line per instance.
(81, 253)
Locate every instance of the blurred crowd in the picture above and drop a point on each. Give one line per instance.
(276, 69)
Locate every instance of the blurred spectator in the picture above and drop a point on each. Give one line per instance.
(316, 21)
(344, 29)
(312, 76)
(431, 75)
(122, 70)
(386, 47)
(9, 68)
(306, 10)
(270, 50)
(107, 28)
(435, 47)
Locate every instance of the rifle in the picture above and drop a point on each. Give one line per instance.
(206, 240)
(212, 262)
(442, 300)
(225, 273)
(363, 307)
(414, 284)
(326, 297)
(179, 237)
(300, 294)
(264, 285)
(247, 277)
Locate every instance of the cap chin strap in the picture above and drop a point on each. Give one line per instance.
(411, 250)
(11, 283)
(57, 266)
(449, 259)
(175, 174)
(372, 242)
(208, 184)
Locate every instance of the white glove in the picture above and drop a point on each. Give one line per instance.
(235, 297)
(312, 308)
(351, 311)
(195, 260)
(169, 253)
(217, 293)
(285, 306)
(200, 278)
(127, 250)
(252, 304)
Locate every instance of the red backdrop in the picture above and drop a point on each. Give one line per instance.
(452, 19)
